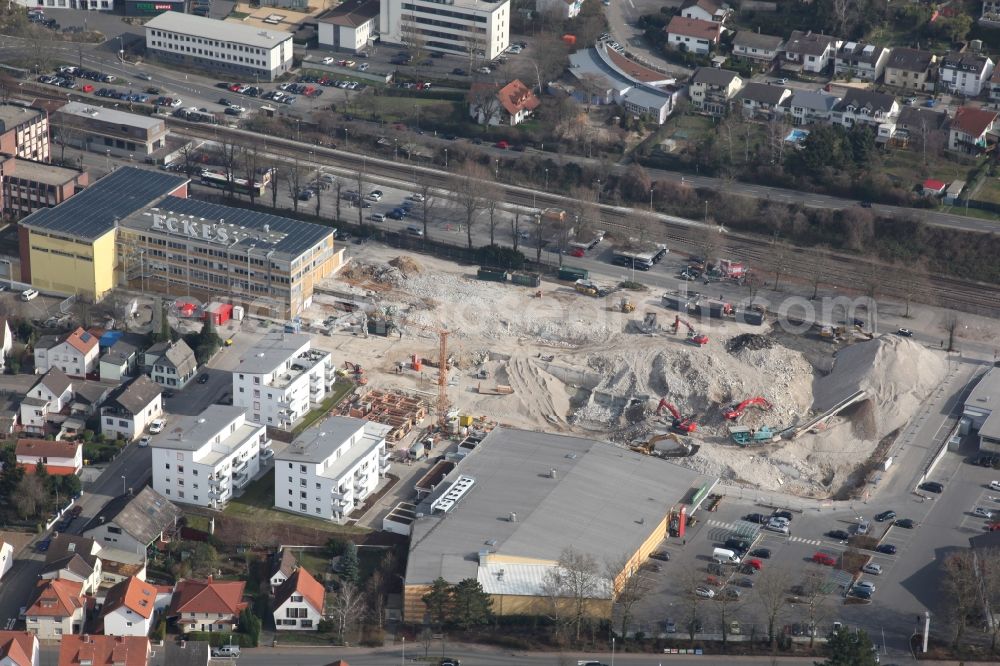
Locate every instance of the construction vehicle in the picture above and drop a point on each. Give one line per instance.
(745, 436)
(626, 306)
(693, 336)
(357, 371)
(680, 423)
(586, 287)
(649, 446)
(736, 412)
(648, 325)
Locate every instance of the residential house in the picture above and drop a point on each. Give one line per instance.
(46, 404)
(6, 342)
(864, 107)
(757, 48)
(762, 99)
(170, 364)
(712, 90)
(97, 650)
(693, 35)
(185, 653)
(56, 610)
(131, 408)
(967, 133)
(87, 397)
(564, 9)
(74, 353)
(134, 523)
(284, 565)
(349, 26)
(75, 559)
(281, 378)
(922, 127)
(6, 560)
(18, 648)
(207, 605)
(705, 10)
(964, 73)
(59, 458)
(329, 469)
(299, 603)
(807, 107)
(994, 85)
(856, 60)
(934, 188)
(118, 362)
(509, 105)
(990, 15)
(129, 608)
(201, 459)
(809, 52)
(911, 69)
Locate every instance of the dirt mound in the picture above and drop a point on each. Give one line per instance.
(407, 265)
(748, 341)
(360, 271)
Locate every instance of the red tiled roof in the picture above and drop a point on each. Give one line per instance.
(56, 598)
(132, 593)
(516, 97)
(81, 340)
(931, 184)
(43, 448)
(680, 25)
(18, 646)
(208, 596)
(972, 121)
(634, 69)
(301, 582)
(104, 650)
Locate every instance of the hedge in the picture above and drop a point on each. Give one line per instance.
(220, 638)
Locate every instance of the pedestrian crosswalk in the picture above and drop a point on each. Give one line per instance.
(811, 542)
(743, 526)
(718, 523)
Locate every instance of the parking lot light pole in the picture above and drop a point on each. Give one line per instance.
(612, 651)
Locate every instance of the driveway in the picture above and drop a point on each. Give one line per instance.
(622, 16)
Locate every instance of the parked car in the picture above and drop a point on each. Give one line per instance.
(763, 553)
(661, 555)
(825, 559)
(982, 513)
(43, 545)
(932, 487)
(157, 425)
(872, 568)
(203, 378)
(144, 441)
(884, 516)
(701, 591)
(786, 515)
(905, 523)
(905, 332)
(29, 294)
(758, 518)
(887, 548)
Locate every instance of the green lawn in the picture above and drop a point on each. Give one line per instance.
(988, 191)
(313, 561)
(341, 388)
(908, 167)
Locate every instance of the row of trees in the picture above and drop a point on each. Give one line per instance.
(462, 605)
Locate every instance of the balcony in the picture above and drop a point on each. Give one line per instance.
(341, 493)
(384, 468)
(241, 480)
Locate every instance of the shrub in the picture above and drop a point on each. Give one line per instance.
(220, 638)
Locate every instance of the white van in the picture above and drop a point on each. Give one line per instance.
(414, 230)
(725, 556)
(29, 294)
(378, 217)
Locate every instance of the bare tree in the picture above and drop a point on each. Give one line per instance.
(770, 595)
(961, 587)
(780, 259)
(492, 194)
(539, 238)
(426, 637)
(813, 596)
(916, 282)
(584, 214)
(819, 270)
(361, 180)
(337, 185)
(631, 586)
(577, 581)
(988, 562)
(485, 104)
(724, 604)
(515, 229)
(375, 590)
(428, 205)
(294, 176)
(275, 179)
(189, 155)
(348, 605)
(230, 153)
(468, 198)
(692, 603)
(251, 163)
(31, 496)
(871, 280)
(950, 324)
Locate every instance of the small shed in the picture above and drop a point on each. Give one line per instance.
(954, 191)
(218, 313)
(934, 188)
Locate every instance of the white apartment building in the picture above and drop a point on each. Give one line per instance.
(281, 378)
(455, 26)
(220, 45)
(329, 470)
(964, 73)
(202, 459)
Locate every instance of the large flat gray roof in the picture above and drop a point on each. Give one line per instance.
(604, 501)
(225, 31)
(317, 443)
(113, 116)
(190, 433)
(271, 352)
(12, 115)
(986, 397)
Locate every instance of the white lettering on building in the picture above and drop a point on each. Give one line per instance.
(189, 228)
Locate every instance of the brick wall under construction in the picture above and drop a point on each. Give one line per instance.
(400, 411)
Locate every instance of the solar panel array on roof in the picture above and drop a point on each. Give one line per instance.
(298, 236)
(92, 213)
(85, 336)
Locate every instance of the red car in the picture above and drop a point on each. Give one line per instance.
(756, 564)
(994, 527)
(824, 559)
(576, 252)
(503, 145)
(87, 88)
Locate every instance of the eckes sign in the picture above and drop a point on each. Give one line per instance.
(191, 229)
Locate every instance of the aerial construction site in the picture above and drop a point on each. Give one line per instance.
(701, 382)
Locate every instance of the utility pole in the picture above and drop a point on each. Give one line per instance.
(927, 630)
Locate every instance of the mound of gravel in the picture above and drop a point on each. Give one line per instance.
(748, 341)
(407, 265)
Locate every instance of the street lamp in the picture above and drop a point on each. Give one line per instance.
(612, 651)
(445, 158)
(402, 659)
(598, 190)
(123, 484)
(651, 198)
(546, 180)
(498, 169)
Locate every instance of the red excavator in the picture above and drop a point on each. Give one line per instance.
(693, 336)
(358, 371)
(736, 412)
(680, 423)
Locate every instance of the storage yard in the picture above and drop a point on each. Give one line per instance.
(810, 414)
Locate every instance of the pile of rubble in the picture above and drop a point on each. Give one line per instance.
(385, 274)
(406, 265)
(748, 341)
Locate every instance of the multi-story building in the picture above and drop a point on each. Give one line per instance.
(299, 603)
(757, 48)
(350, 26)
(964, 73)
(809, 51)
(75, 559)
(74, 353)
(967, 133)
(330, 468)
(170, 363)
(911, 69)
(59, 458)
(465, 27)
(128, 608)
(24, 131)
(27, 186)
(201, 459)
(240, 50)
(807, 107)
(712, 90)
(18, 648)
(563, 9)
(134, 523)
(118, 362)
(693, 35)
(50, 395)
(108, 131)
(98, 650)
(57, 609)
(990, 15)
(281, 378)
(864, 107)
(860, 61)
(762, 99)
(207, 605)
(131, 408)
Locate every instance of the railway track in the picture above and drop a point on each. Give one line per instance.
(842, 270)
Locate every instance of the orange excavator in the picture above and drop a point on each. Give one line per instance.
(693, 336)
(357, 371)
(683, 424)
(736, 412)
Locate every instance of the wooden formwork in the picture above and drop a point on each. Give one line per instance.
(400, 411)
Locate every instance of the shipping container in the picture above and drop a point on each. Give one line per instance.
(526, 279)
(492, 274)
(573, 274)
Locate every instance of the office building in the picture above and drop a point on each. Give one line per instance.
(458, 27)
(27, 185)
(109, 131)
(24, 131)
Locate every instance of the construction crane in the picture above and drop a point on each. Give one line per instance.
(442, 378)
(680, 423)
(693, 336)
(736, 412)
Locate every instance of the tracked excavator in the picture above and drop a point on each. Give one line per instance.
(735, 412)
(684, 424)
(693, 336)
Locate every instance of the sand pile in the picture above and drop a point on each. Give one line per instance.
(407, 265)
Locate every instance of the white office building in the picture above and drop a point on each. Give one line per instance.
(221, 45)
(280, 379)
(451, 26)
(202, 459)
(331, 468)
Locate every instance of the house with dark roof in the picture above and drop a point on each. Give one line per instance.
(807, 107)
(183, 653)
(207, 605)
(281, 570)
(46, 404)
(857, 60)
(171, 364)
(964, 73)
(299, 603)
(131, 408)
(350, 26)
(911, 69)
(712, 90)
(59, 458)
(762, 99)
(73, 558)
(74, 353)
(129, 608)
(809, 51)
(864, 107)
(134, 523)
(510, 105)
(118, 362)
(757, 48)
(693, 35)
(705, 10)
(918, 124)
(18, 648)
(969, 129)
(97, 650)
(56, 610)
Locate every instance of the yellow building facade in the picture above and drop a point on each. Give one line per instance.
(82, 267)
